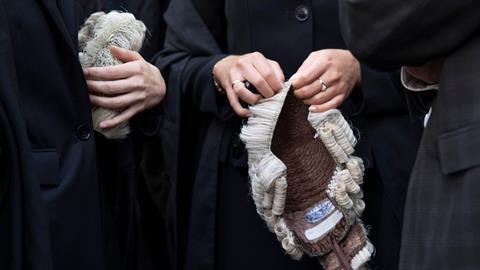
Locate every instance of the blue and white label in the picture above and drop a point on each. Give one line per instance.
(320, 212)
(326, 226)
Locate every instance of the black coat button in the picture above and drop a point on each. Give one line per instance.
(83, 133)
(301, 13)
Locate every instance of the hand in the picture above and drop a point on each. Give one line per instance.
(131, 87)
(266, 75)
(338, 69)
(429, 72)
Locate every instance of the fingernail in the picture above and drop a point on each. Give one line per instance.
(103, 125)
(294, 77)
(312, 108)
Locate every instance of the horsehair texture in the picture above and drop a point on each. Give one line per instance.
(98, 34)
(305, 182)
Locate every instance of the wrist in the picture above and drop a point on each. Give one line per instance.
(217, 84)
(216, 74)
(359, 75)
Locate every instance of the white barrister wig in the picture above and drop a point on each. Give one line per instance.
(101, 31)
(305, 182)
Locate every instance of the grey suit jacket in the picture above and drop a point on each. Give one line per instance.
(442, 214)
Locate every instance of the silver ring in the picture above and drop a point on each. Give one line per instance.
(235, 82)
(324, 85)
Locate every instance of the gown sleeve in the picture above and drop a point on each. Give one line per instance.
(392, 33)
(195, 42)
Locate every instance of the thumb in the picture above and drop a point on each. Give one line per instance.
(125, 55)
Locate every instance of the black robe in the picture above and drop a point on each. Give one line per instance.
(68, 200)
(396, 33)
(23, 230)
(136, 165)
(201, 129)
(51, 216)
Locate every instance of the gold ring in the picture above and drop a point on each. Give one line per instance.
(235, 82)
(324, 85)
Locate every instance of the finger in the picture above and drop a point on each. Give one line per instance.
(111, 87)
(310, 71)
(125, 55)
(308, 62)
(308, 91)
(300, 70)
(322, 97)
(235, 103)
(110, 73)
(241, 91)
(266, 71)
(252, 75)
(332, 104)
(246, 95)
(116, 103)
(121, 118)
(277, 70)
(331, 76)
(334, 87)
(307, 76)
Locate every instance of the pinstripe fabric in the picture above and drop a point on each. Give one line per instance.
(442, 216)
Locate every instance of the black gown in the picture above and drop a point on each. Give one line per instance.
(68, 200)
(216, 222)
(132, 169)
(51, 215)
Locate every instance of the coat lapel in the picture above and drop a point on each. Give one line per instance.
(54, 12)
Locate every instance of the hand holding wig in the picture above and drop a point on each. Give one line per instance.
(99, 33)
(305, 182)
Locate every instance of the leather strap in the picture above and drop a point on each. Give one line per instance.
(340, 255)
